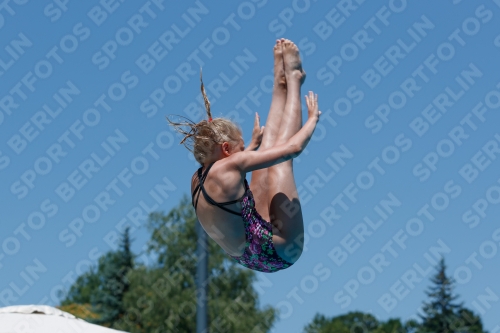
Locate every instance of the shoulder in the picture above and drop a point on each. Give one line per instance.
(226, 171)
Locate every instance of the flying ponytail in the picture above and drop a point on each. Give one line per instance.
(205, 98)
(202, 137)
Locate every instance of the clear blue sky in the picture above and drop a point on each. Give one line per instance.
(402, 169)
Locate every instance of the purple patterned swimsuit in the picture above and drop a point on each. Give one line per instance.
(259, 254)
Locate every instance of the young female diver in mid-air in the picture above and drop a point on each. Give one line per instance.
(259, 225)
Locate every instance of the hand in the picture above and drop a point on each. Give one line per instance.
(312, 105)
(257, 134)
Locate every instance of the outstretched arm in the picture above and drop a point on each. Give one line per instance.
(248, 161)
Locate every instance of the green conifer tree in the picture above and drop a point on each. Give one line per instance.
(113, 282)
(82, 289)
(443, 313)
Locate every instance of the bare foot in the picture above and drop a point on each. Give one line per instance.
(279, 66)
(292, 62)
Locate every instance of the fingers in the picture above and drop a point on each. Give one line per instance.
(312, 103)
(256, 122)
(311, 99)
(312, 95)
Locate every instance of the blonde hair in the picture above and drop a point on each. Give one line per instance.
(202, 138)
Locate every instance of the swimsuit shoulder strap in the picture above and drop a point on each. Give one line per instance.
(200, 188)
(201, 180)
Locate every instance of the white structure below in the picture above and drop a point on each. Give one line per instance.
(44, 319)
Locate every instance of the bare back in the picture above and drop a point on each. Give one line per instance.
(222, 185)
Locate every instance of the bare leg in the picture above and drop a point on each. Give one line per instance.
(284, 206)
(259, 183)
